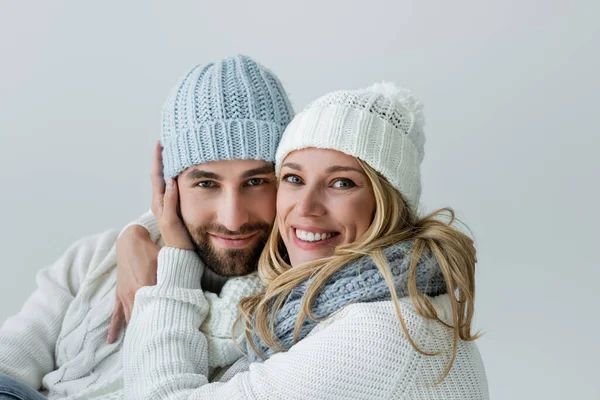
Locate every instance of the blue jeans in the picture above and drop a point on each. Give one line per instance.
(11, 389)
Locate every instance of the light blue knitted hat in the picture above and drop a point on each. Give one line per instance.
(232, 109)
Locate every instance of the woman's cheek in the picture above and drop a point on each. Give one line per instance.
(284, 201)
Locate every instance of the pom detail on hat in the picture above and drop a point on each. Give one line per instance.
(404, 97)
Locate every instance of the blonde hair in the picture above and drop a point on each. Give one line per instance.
(392, 222)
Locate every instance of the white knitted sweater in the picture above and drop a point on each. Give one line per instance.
(359, 353)
(57, 342)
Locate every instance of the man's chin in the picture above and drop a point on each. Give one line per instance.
(231, 262)
(227, 257)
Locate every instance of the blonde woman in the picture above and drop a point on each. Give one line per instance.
(363, 298)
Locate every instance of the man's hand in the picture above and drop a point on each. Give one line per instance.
(165, 205)
(136, 268)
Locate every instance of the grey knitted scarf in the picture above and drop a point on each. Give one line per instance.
(358, 282)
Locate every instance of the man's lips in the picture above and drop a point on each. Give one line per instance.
(233, 242)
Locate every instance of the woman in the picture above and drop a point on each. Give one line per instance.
(363, 299)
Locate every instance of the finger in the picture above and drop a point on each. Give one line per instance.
(170, 202)
(116, 321)
(127, 311)
(158, 182)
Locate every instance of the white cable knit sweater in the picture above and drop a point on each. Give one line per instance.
(359, 353)
(57, 342)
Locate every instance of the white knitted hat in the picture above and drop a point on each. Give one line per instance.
(382, 125)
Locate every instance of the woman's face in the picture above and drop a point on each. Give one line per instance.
(324, 200)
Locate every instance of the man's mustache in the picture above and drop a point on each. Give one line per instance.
(243, 230)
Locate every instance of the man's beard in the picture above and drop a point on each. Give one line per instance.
(229, 262)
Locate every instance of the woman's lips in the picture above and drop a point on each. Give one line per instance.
(315, 244)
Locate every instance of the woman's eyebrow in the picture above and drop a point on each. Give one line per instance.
(334, 168)
(295, 166)
(341, 168)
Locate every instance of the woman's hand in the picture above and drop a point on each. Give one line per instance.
(137, 254)
(165, 205)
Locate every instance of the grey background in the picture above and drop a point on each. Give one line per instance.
(511, 101)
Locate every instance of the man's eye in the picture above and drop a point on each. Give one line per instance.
(293, 179)
(255, 181)
(343, 184)
(206, 184)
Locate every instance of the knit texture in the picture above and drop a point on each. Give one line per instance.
(381, 125)
(358, 282)
(361, 352)
(232, 109)
(57, 342)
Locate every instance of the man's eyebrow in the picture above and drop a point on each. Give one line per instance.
(200, 174)
(267, 169)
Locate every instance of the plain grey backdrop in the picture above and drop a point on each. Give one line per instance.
(511, 95)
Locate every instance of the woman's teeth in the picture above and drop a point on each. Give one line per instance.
(312, 237)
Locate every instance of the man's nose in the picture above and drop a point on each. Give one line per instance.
(233, 211)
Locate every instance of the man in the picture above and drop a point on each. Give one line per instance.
(220, 129)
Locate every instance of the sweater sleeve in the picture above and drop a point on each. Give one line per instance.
(163, 341)
(148, 222)
(357, 354)
(222, 350)
(28, 339)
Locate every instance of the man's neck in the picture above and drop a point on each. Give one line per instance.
(211, 282)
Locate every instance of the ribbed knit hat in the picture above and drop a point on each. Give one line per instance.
(232, 109)
(381, 125)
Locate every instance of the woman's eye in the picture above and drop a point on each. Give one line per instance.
(343, 184)
(206, 184)
(255, 181)
(293, 179)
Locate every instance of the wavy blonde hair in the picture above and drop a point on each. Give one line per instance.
(392, 222)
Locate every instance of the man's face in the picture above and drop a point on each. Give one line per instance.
(229, 208)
